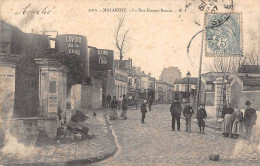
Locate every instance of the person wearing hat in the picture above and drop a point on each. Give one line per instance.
(201, 116)
(143, 111)
(176, 110)
(250, 117)
(187, 112)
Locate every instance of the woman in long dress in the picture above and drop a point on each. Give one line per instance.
(114, 105)
(227, 122)
(237, 128)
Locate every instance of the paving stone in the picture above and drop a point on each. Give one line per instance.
(154, 144)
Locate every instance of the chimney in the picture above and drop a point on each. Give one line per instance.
(149, 74)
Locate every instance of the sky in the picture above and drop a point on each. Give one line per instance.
(157, 40)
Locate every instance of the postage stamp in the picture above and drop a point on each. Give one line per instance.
(223, 34)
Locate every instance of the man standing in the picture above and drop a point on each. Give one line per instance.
(249, 119)
(201, 117)
(187, 112)
(176, 113)
(143, 111)
(108, 100)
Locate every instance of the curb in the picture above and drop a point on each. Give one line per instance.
(94, 159)
(77, 161)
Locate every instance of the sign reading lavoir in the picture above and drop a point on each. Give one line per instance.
(72, 44)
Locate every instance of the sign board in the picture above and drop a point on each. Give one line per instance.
(101, 59)
(71, 44)
(53, 92)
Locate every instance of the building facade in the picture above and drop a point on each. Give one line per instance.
(121, 82)
(170, 75)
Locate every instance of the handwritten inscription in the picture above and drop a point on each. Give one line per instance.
(29, 10)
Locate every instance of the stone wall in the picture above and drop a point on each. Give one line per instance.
(27, 129)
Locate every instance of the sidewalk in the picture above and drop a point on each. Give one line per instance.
(87, 151)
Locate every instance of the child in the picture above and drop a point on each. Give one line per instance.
(143, 111)
(201, 117)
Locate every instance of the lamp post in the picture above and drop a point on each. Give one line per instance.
(188, 77)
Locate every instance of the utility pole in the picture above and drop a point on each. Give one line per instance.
(199, 77)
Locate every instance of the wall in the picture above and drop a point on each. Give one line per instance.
(235, 94)
(253, 97)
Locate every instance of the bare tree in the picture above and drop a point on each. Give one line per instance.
(121, 36)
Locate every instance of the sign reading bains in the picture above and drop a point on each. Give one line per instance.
(101, 59)
(223, 34)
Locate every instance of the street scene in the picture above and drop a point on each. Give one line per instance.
(129, 83)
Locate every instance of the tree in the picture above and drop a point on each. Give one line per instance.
(121, 36)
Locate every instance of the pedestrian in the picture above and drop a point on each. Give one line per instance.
(143, 111)
(176, 114)
(227, 120)
(187, 112)
(124, 107)
(201, 117)
(150, 101)
(237, 128)
(114, 105)
(250, 117)
(108, 100)
(120, 102)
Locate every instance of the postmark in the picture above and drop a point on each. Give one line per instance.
(223, 34)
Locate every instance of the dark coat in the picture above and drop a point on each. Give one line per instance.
(143, 108)
(176, 109)
(250, 117)
(108, 98)
(124, 103)
(227, 111)
(114, 103)
(188, 110)
(201, 114)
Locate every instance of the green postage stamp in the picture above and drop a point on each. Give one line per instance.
(223, 34)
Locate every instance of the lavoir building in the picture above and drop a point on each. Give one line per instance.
(35, 79)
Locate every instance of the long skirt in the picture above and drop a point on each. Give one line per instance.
(113, 113)
(227, 124)
(238, 128)
(123, 114)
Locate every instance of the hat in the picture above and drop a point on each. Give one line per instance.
(248, 103)
(145, 101)
(201, 104)
(176, 98)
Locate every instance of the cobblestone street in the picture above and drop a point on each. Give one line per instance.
(154, 143)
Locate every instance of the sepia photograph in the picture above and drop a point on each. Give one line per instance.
(129, 82)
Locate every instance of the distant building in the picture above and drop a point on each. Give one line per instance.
(185, 88)
(163, 93)
(124, 64)
(121, 82)
(170, 75)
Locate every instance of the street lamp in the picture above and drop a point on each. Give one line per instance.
(188, 76)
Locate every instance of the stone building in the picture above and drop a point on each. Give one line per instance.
(170, 75)
(33, 82)
(121, 82)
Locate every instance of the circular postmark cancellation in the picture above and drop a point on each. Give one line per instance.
(223, 34)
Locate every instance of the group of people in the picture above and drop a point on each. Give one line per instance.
(233, 124)
(234, 121)
(176, 110)
(114, 105)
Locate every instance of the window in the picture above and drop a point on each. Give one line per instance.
(177, 87)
